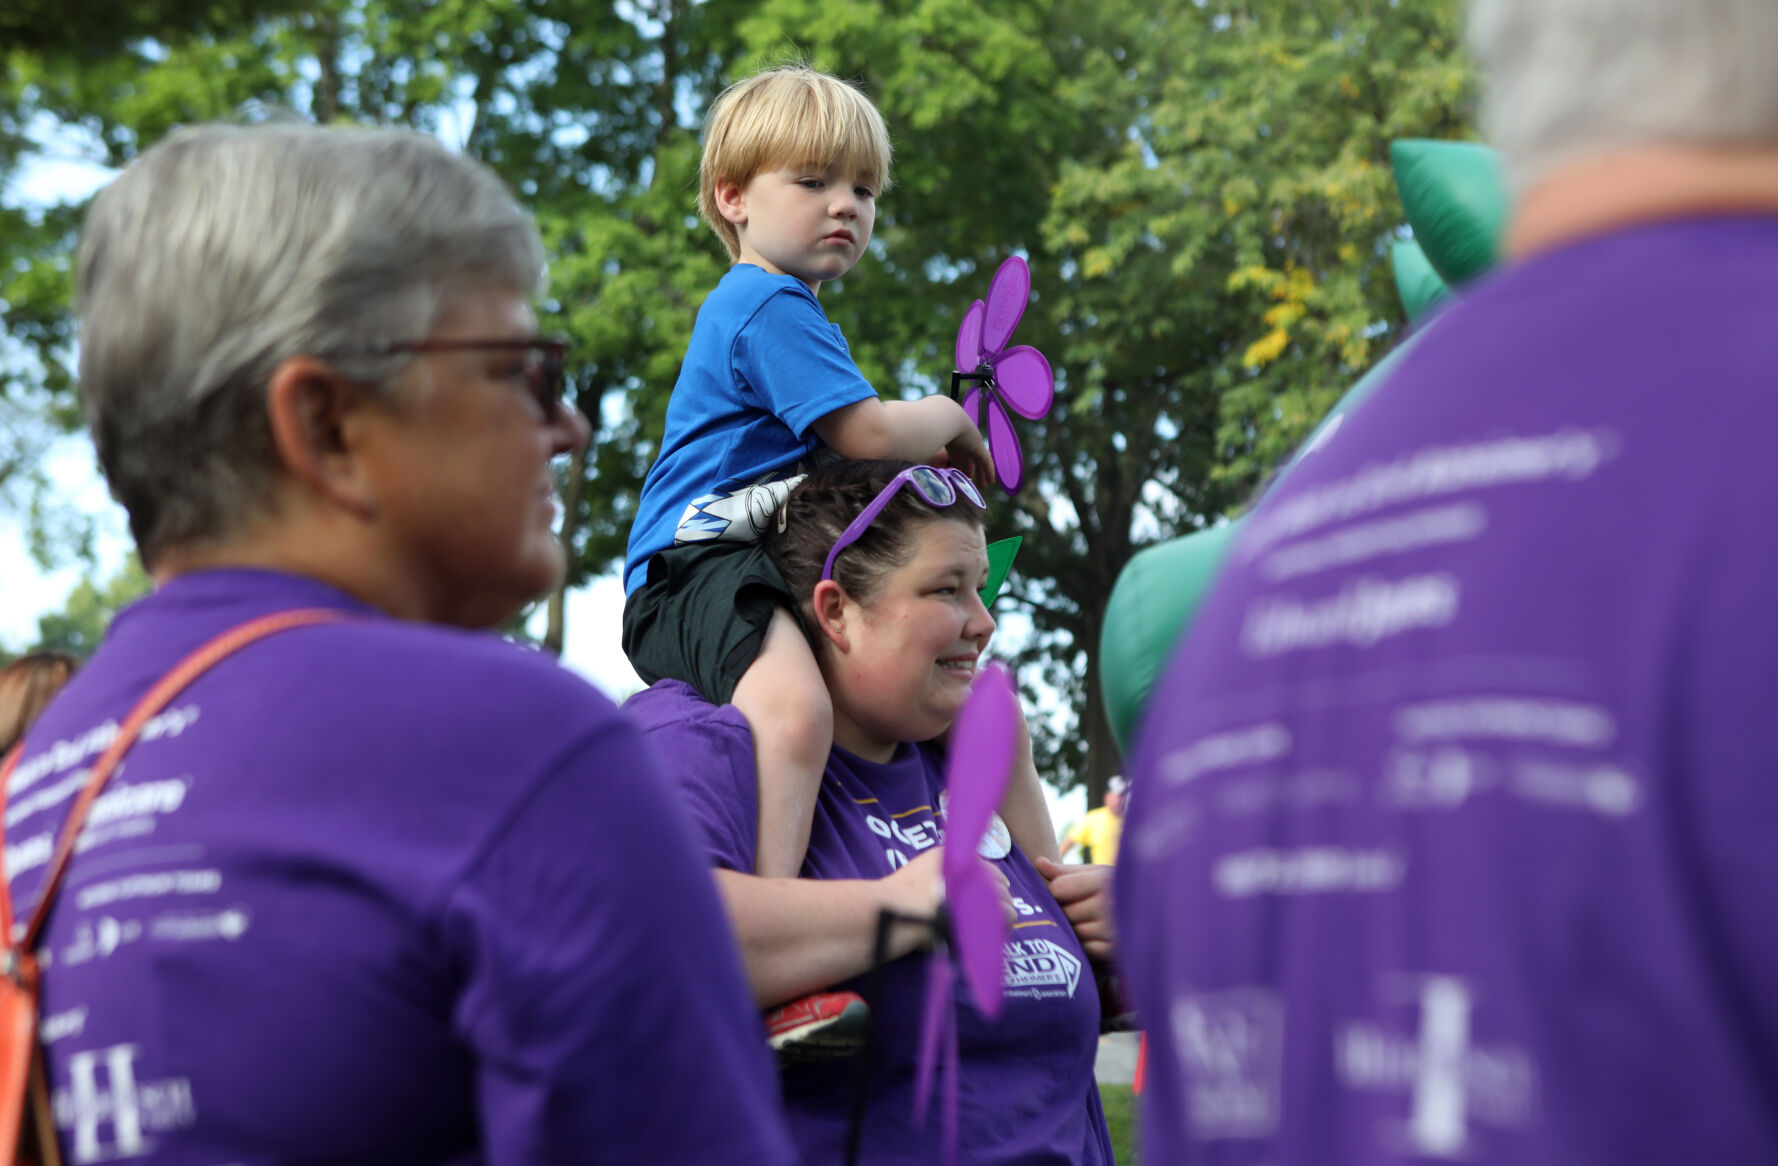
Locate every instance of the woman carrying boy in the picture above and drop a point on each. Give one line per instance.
(792, 165)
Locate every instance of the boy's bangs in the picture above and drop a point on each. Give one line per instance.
(836, 130)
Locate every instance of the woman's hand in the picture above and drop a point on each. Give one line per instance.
(1084, 893)
(921, 884)
(799, 935)
(914, 891)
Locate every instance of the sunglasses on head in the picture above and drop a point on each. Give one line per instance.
(938, 486)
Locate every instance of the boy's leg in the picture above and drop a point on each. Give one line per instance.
(784, 698)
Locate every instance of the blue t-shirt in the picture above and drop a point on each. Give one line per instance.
(764, 364)
(376, 892)
(1454, 827)
(1026, 1094)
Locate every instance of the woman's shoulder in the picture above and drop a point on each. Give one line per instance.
(452, 659)
(673, 706)
(702, 742)
(362, 654)
(707, 752)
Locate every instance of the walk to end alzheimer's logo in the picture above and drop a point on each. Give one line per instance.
(1038, 969)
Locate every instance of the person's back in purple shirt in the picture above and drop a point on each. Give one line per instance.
(369, 893)
(1452, 835)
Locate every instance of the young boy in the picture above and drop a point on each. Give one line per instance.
(792, 165)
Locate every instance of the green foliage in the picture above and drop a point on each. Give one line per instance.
(1120, 1118)
(1227, 246)
(88, 611)
(1202, 191)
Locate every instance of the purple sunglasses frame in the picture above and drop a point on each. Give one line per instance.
(945, 477)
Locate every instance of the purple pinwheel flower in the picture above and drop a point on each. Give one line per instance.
(1016, 379)
(982, 751)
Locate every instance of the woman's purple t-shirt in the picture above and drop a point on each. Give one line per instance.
(376, 892)
(1027, 1092)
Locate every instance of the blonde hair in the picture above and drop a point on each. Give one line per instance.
(790, 116)
(26, 686)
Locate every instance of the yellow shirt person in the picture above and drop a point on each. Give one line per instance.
(1100, 830)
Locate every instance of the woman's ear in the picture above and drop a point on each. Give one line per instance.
(316, 418)
(830, 603)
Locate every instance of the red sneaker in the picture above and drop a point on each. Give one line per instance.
(819, 1026)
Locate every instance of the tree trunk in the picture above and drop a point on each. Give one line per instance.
(327, 57)
(573, 486)
(1103, 758)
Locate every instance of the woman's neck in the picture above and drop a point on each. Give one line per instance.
(853, 738)
(1626, 187)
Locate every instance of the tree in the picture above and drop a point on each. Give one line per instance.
(86, 614)
(1203, 193)
(1224, 275)
(46, 46)
(1202, 190)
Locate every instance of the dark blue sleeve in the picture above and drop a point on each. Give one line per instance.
(794, 360)
(603, 999)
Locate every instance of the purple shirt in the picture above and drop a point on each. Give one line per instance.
(1027, 1093)
(376, 892)
(1454, 832)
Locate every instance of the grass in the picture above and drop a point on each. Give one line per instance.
(1120, 1117)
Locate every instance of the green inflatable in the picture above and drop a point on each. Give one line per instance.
(1456, 202)
(1416, 282)
(1456, 205)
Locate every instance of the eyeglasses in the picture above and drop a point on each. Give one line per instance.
(938, 486)
(546, 361)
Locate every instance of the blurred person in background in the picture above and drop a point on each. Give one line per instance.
(1464, 849)
(1098, 831)
(26, 686)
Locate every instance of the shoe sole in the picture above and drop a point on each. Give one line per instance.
(840, 1035)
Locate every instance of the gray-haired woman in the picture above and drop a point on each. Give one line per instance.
(387, 888)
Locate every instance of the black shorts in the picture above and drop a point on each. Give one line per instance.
(701, 615)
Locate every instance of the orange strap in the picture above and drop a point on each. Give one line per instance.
(158, 697)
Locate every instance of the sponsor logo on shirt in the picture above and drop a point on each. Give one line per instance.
(1450, 1081)
(1568, 454)
(98, 939)
(1230, 1050)
(1232, 749)
(107, 1113)
(1308, 870)
(67, 753)
(1364, 612)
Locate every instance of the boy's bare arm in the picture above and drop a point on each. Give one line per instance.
(912, 431)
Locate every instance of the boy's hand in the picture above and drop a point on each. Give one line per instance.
(1084, 894)
(969, 453)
